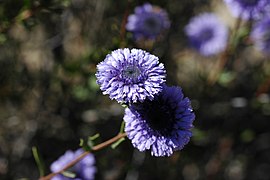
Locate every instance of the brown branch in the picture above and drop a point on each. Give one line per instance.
(123, 25)
(264, 87)
(95, 148)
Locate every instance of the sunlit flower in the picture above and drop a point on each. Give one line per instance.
(207, 34)
(247, 9)
(83, 170)
(148, 21)
(129, 76)
(162, 125)
(261, 35)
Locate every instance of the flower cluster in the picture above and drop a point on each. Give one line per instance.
(148, 22)
(158, 117)
(83, 170)
(207, 34)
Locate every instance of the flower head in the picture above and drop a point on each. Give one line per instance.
(162, 125)
(261, 35)
(247, 9)
(148, 21)
(207, 34)
(129, 76)
(84, 169)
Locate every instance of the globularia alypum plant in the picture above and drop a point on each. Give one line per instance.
(157, 117)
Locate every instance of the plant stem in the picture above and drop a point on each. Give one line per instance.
(95, 148)
(123, 25)
(212, 78)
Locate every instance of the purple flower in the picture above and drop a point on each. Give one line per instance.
(207, 34)
(162, 125)
(84, 169)
(129, 76)
(261, 35)
(247, 9)
(148, 21)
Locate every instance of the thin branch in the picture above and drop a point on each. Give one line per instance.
(264, 87)
(123, 24)
(95, 148)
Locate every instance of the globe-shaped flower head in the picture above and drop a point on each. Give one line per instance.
(83, 170)
(207, 34)
(148, 21)
(162, 125)
(247, 9)
(129, 76)
(261, 35)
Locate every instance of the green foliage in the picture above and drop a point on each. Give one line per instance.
(226, 78)
(117, 143)
(247, 135)
(39, 161)
(90, 143)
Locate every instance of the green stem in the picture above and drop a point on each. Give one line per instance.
(38, 161)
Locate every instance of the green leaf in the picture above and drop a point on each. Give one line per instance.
(69, 174)
(122, 128)
(94, 137)
(39, 161)
(87, 146)
(124, 105)
(81, 142)
(90, 142)
(117, 143)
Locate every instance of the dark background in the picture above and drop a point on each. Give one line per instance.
(49, 99)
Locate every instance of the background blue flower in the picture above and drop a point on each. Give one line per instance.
(261, 35)
(207, 34)
(148, 21)
(162, 125)
(84, 169)
(248, 9)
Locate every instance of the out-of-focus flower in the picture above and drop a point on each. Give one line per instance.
(148, 21)
(83, 170)
(129, 76)
(248, 9)
(207, 34)
(261, 35)
(162, 125)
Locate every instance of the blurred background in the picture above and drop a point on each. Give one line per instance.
(49, 97)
